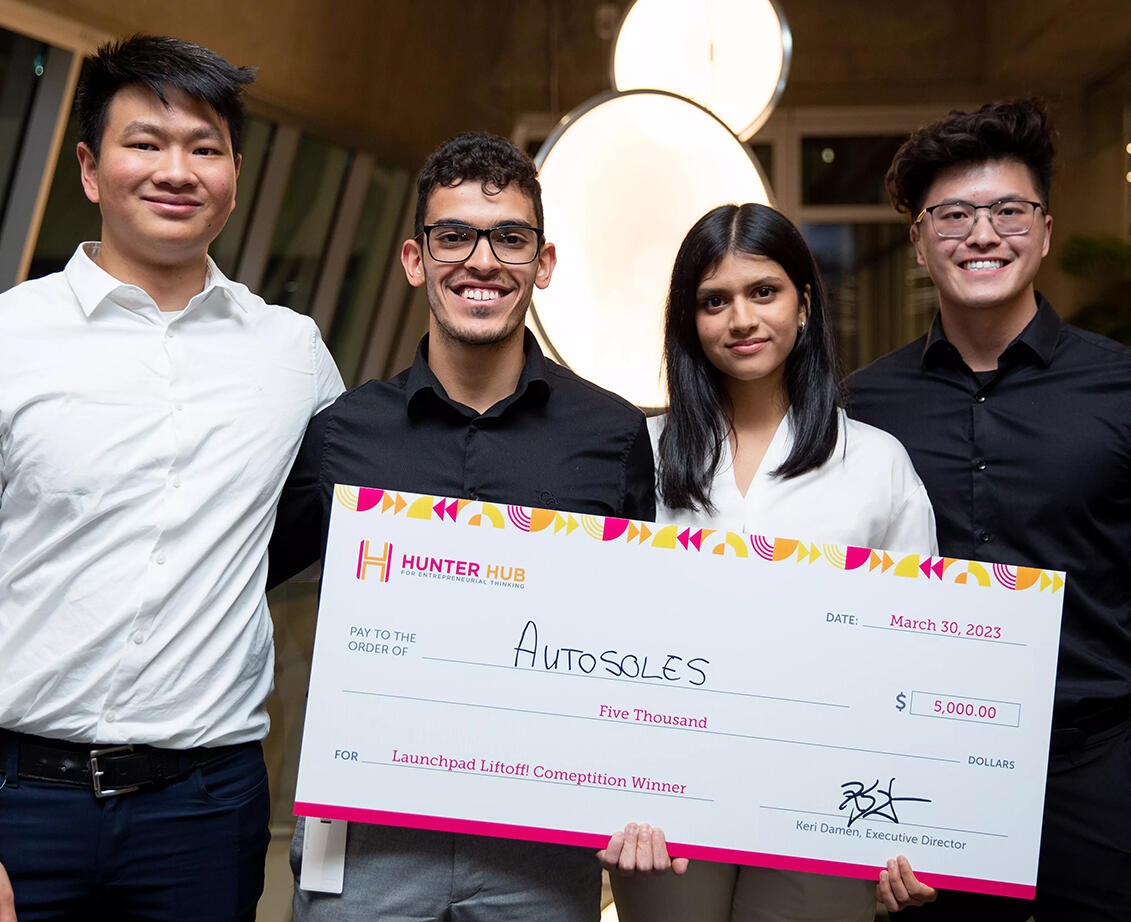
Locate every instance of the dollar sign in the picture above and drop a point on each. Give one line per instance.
(900, 701)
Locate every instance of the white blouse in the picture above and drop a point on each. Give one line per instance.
(867, 493)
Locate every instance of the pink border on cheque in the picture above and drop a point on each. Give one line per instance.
(701, 852)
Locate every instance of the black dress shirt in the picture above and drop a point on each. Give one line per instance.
(557, 442)
(1030, 466)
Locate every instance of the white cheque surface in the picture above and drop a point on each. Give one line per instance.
(534, 674)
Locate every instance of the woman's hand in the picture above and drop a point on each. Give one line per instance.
(640, 849)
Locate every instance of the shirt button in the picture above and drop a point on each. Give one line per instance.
(981, 398)
(111, 716)
(984, 536)
(178, 407)
(979, 465)
(177, 481)
(138, 638)
(160, 558)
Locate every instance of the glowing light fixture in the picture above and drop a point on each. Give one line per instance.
(730, 56)
(625, 176)
(623, 179)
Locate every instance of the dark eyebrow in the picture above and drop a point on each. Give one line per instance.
(704, 292)
(509, 222)
(204, 132)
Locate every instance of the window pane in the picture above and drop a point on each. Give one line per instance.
(764, 153)
(846, 171)
(304, 224)
(21, 66)
(879, 298)
(255, 146)
(69, 217)
(372, 255)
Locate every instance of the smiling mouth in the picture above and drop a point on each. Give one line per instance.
(176, 206)
(748, 346)
(472, 293)
(984, 265)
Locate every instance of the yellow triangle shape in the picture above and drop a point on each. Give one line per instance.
(559, 522)
(1057, 582)
(801, 552)
(813, 553)
(571, 525)
(1045, 581)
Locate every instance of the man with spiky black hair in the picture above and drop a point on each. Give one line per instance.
(149, 411)
(1020, 426)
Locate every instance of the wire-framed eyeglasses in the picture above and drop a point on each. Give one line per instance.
(1009, 217)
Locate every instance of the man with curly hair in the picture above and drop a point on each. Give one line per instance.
(1020, 426)
(480, 414)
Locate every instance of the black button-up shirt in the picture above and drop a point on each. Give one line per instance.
(557, 442)
(1028, 465)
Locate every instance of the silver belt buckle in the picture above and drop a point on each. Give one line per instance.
(96, 772)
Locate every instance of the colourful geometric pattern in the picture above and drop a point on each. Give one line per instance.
(697, 540)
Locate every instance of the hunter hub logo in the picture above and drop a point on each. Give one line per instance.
(365, 560)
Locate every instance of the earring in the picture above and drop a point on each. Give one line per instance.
(801, 328)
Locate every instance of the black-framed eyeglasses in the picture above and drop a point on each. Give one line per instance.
(513, 244)
(1009, 217)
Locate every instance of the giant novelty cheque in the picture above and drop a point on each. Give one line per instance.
(542, 675)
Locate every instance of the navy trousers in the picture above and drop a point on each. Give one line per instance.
(193, 850)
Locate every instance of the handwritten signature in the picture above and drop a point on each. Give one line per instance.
(872, 800)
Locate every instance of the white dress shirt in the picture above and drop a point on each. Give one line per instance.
(140, 464)
(867, 494)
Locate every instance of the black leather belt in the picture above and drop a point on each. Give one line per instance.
(108, 770)
(1073, 730)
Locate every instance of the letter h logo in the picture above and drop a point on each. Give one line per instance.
(365, 560)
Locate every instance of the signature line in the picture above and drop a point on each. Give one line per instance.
(868, 819)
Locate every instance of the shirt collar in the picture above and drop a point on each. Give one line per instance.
(532, 382)
(93, 286)
(1038, 338)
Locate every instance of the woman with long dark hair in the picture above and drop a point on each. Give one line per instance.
(754, 440)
